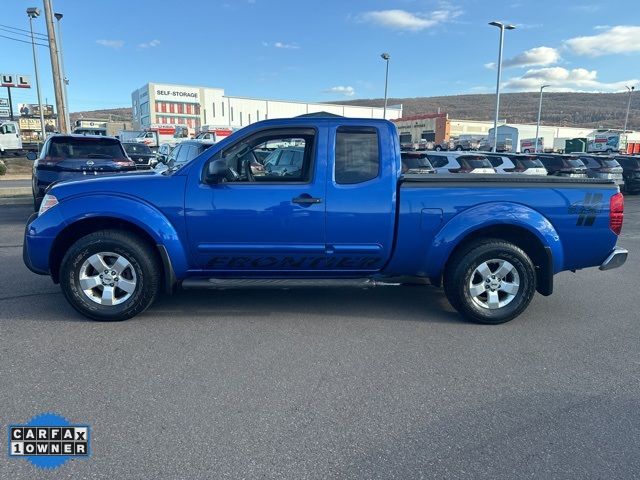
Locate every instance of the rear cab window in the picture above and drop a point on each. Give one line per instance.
(357, 155)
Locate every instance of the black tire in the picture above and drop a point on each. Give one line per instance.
(461, 267)
(438, 148)
(458, 149)
(141, 258)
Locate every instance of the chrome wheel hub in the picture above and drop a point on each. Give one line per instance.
(107, 278)
(494, 284)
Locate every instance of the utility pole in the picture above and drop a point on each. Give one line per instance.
(542, 87)
(65, 80)
(55, 68)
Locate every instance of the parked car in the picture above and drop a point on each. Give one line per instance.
(416, 163)
(600, 166)
(455, 162)
(460, 144)
(164, 150)
(348, 215)
(513, 163)
(630, 173)
(563, 165)
(141, 154)
(71, 157)
(284, 162)
(183, 153)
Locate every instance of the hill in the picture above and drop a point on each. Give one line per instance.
(565, 109)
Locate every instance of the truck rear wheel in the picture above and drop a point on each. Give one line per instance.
(490, 281)
(110, 275)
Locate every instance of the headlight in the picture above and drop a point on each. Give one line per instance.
(48, 202)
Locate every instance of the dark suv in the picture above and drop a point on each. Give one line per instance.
(630, 173)
(140, 153)
(564, 165)
(603, 167)
(72, 157)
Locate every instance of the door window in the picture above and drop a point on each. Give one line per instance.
(281, 155)
(10, 128)
(357, 155)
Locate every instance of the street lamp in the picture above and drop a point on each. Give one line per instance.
(539, 113)
(32, 13)
(502, 28)
(385, 57)
(626, 119)
(65, 80)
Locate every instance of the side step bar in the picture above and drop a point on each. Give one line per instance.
(231, 283)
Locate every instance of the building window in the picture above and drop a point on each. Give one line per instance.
(222, 103)
(231, 113)
(248, 119)
(213, 111)
(257, 115)
(240, 118)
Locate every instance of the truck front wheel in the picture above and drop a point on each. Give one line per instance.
(490, 281)
(110, 275)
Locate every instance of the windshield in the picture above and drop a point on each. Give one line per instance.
(528, 162)
(575, 163)
(416, 162)
(475, 162)
(609, 163)
(136, 148)
(78, 147)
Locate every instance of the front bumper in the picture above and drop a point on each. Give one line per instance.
(615, 259)
(38, 241)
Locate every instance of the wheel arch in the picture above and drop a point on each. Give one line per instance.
(515, 223)
(78, 229)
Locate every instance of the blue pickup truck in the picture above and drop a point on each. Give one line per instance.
(336, 207)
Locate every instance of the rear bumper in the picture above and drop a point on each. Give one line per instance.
(615, 259)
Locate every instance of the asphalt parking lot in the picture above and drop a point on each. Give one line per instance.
(330, 383)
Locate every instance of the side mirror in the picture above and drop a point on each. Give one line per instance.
(31, 156)
(216, 171)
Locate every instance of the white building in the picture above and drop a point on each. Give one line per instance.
(163, 103)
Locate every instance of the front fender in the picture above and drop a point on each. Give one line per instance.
(132, 210)
(489, 215)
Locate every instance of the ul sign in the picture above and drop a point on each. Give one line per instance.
(12, 80)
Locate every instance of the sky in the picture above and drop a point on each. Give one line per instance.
(327, 50)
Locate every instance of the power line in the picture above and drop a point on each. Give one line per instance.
(24, 41)
(22, 30)
(22, 34)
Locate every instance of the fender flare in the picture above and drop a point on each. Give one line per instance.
(134, 211)
(490, 215)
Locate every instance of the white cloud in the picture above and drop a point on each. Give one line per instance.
(618, 39)
(111, 43)
(561, 79)
(346, 91)
(286, 46)
(151, 44)
(530, 58)
(403, 20)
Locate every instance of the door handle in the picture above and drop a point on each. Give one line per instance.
(306, 200)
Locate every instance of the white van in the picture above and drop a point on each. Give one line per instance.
(10, 141)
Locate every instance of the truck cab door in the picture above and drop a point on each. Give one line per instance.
(257, 223)
(361, 197)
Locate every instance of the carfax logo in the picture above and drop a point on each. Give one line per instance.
(49, 440)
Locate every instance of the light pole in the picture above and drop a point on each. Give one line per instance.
(32, 13)
(385, 56)
(65, 80)
(626, 119)
(502, 28)
(539, 113)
